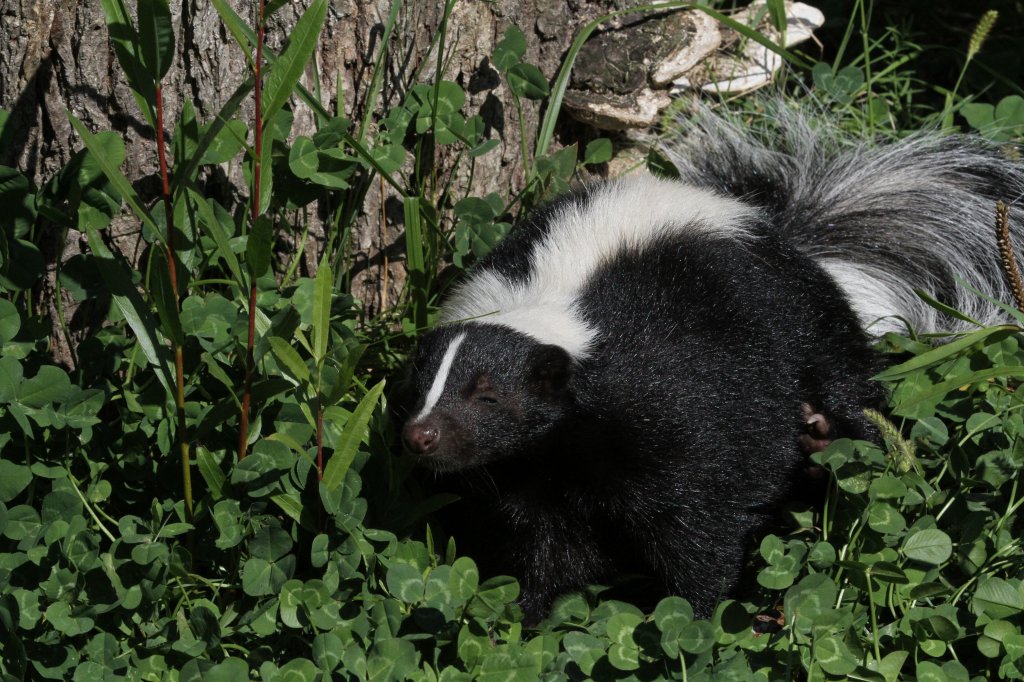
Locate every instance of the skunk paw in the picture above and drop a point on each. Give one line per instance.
(817, 428)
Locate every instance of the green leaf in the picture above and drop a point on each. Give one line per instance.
(50, 384)
(463, 579)
(261, 577)
(270, 543)
(291, 64)
(391, 659)
(10, 377)
(59, 615)
(624, 657)
(1010, 111)
(483, 148)
(22, 522)
(13, 479)
(289, 358)
(772, 549)
(696, 637)
(351, 436)
(586, 650)
(620, 628)
(406, 583)
(930, 546)
(322, 310)
(185, 173)
(526, 80)
(259, 247)
(598, 151)
(891, 664)
(672, 613)
(834, 656)
(289, 505)
(885, 518)
(156, 37)
(303, 158)
(997, 598)
(510, 50)
(813, 595)
(229, 670)
(228, 518)
(390, 157)
(211, 472)
(979, 116)
(225, 142)
(107, 150)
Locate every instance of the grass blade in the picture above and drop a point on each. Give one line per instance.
(351, 436)
(291, 64)
(942, 352)
(379, 64)
(134, 310)
(238, 29)
(210, 472)
(944, 387)
(290, 358)
(125, 40)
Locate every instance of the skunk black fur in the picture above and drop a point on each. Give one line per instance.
(621, 387)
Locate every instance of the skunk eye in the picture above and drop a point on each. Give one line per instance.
(487, 399)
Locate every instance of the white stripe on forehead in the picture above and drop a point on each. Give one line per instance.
(441, 378)
(629, 213)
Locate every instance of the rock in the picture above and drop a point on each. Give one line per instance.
(741, 64)
(622, 74)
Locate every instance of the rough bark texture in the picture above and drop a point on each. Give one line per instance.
(56, 56)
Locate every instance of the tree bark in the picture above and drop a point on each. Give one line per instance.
(57, 57)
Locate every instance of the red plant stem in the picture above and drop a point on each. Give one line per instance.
(172, 273)
(243, 434)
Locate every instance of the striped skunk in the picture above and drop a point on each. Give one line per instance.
(630, 382)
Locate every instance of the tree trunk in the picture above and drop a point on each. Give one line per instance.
(57, 57)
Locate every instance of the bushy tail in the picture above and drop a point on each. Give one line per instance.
(883, 219)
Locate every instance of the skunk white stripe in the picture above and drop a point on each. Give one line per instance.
(441, 378)
(622, 215)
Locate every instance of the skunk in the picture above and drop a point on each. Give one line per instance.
(630, 382)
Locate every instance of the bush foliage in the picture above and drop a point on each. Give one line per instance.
(146, 534)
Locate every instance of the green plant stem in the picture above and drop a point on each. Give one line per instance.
(319, 436)
(243, 430)
(865, 19)
(874, 619)
(88, 507)
(172, 273)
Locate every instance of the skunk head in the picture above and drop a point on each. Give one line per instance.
(484, 392)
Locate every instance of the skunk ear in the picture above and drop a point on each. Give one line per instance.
(550, 369)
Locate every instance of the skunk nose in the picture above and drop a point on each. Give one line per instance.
(421, 438)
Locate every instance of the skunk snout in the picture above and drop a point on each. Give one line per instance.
(421, 437)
